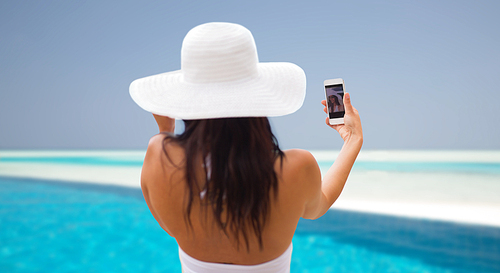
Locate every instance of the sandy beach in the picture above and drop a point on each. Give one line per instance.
(455, 197)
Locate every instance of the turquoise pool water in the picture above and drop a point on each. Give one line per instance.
(49, 226)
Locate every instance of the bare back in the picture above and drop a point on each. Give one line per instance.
(165, 190)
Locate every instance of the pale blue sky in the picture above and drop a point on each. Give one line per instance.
(423, 74)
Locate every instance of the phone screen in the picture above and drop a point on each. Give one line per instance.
(335, 100)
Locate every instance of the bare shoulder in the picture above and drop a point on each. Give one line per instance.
(155, 150)
(301, 166)
(300, 159)
(306, 175)
(155, 144)
(301, 172)
(158, 148)
(162, 156)
(299, 153)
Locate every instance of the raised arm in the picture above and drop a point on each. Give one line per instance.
(165, 124)
(334, 180)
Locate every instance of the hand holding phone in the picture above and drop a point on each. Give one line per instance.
(350, 129)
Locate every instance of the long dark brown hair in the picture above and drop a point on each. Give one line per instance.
(238, 156)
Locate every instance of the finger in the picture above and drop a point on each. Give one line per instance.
(347, 103)
(324, 104)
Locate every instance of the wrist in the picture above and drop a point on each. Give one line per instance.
(354, 141)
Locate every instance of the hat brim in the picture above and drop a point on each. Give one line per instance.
(279, 89)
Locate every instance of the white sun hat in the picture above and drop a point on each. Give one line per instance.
(221, 77)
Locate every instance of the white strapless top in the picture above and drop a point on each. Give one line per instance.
(278, 265)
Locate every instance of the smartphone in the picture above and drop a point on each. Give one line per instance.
(334, 91)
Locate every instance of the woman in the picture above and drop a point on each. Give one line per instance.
(335, 104)
(223, 188)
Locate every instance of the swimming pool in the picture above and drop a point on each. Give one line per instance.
(49, 226)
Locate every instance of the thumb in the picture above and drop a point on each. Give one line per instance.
(347, 103)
